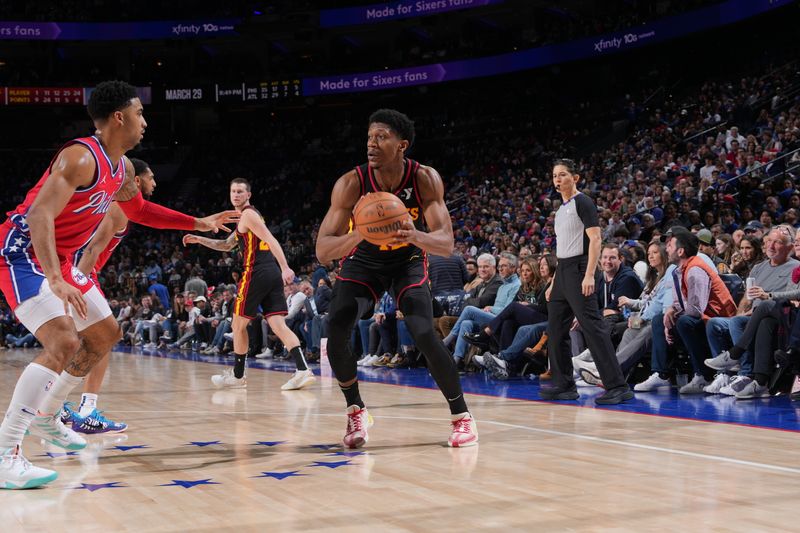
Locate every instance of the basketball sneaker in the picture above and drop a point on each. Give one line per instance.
(16, 472)
(465, 431)
(300, 379)
(227, 380)
(52, 430)
(358, 422)
(67, 413)
(95, 423)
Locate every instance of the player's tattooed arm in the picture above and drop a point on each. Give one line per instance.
(129, 188)
(221, 245)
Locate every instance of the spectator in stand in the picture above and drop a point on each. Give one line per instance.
(749, 254)
(472, 318)
(174, 326)
(221, 323)
(724, 248)
(481, 296)
(195, 283)
(698, 294)
(771, 275)
(159, 291)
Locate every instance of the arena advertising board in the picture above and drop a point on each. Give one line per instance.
(116, 31)
(661, 30)
(400, 9)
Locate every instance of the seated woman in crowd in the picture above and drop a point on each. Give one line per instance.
(749, 254)
(724, 248)
(637, 340)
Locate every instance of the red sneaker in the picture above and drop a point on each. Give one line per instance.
(465, 431)
(358, 422)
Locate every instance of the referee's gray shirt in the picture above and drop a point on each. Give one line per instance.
(572, 219)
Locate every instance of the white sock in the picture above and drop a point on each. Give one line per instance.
(58, 393)
(30, 392)
(88, 403)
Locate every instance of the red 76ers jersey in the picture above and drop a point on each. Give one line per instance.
(76, 224)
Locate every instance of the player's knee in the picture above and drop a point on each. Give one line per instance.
(65, 347)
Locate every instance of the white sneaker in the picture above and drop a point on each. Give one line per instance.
(371, 360)
(266, 354)
(753, 390)
(695, 386)
(16, 472)
(228, 336)
(722, 362)
(720, 380)
(52, 430)
(478, 359)
(227, 380)
(652, 383)
(149, 346)
(585, 355)
(363, 360)
(735, 386)
(300, 379)
(587, 371)
(580, 382)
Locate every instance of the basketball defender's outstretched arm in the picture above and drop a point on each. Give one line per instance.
(252, 222)
(439, 240)
(221, 245)
(333, 239)
(113, 222)
(146, 213)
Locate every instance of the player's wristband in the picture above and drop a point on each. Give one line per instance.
(153, 215)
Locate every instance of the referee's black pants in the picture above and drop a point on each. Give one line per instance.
(568, 302)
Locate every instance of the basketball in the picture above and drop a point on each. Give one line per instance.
(378, 215)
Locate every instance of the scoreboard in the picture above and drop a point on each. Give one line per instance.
(41, 95)
(234, 92)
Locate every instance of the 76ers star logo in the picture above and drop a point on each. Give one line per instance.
(79, 277)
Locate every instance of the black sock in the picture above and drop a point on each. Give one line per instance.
(736, 352)
(457, 405)
(299, 360)
(238, 366)
(663, 375)
(761, 379)
(352, 395)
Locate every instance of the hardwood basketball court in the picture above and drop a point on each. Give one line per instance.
(196, 458)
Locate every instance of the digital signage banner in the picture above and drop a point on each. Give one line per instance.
(116, 31)
(401, 9)
(658, 31)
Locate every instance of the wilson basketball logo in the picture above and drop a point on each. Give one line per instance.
(388, 228)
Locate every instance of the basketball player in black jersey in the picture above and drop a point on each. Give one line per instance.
(265, 271)
(399, 267)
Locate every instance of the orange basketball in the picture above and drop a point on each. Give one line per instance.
(378, 216)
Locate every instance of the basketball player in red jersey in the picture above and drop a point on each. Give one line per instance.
(400, 267)
(264, 274)
(50, 296)
(90, 260)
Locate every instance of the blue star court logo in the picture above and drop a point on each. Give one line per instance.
(281, 475)
(186, 484)
(331, 464)
(91, 487)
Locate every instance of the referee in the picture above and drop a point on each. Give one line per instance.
(571, 294)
